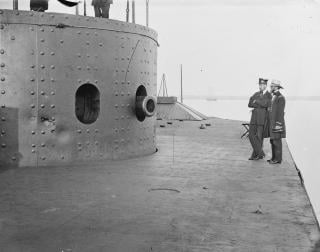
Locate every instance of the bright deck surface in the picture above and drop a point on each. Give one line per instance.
(123, 205)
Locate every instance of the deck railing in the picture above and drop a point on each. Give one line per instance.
(84, 2)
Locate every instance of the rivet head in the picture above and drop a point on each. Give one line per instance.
(79, 67)
(33, 145)
(32, 79)
(42, 40)
(52, 53)
(43, 158)
(61, 41)
(53, 106)
(2, 65)
(2, 27)
(79, 131)
(33, 151)
(42, 105)
(41, 53)
(3, 145)
(53, 93)
(42, 66)
(14, 158)
(1, 11)
(3, 132)
(1, 51)
(13, 38)
(42, 93)
(42, 79)
(33, 66)
(3, 119)
(52, 67)
(3, 92)
(43, 145)
(43, 132)
(52, 80)
(32, 106)
(32, 92)
(88, 131)
(33, 132)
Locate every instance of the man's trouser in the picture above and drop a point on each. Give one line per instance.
(276, 148)
(102, 11)
(256, 139)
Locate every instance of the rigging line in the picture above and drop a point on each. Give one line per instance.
(125, 79)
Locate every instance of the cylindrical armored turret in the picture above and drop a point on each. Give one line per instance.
(75, 89)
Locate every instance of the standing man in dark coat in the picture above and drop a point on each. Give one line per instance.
(39, 5)
(258, 128)
(277, 123)
(102, 8)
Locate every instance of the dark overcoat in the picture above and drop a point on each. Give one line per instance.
(260, 103)
(276, 116)
(100, 3)
(39, 4)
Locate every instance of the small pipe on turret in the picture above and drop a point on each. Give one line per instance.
(84, 8)
(181, 83)
(127, 11)
(133, 11)
(147, 13)
(15, 4)
(77, 9)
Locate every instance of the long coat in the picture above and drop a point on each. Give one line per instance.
(276, 116)
(100, 3)
(39, 4)
(260, 103)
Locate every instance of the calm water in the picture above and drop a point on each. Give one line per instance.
(303, 122)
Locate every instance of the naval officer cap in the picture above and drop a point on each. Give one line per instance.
(263, 81)
(276, 83)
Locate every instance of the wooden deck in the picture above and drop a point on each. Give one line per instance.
(199, 192)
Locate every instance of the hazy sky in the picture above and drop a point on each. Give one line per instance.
(226, 45)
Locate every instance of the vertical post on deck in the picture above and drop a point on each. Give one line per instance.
(147, 13)
(127, 11)
(77, 9)
(84, 8)
(133, 11)
(181, 95)
(15, 4)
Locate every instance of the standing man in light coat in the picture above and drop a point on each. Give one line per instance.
(101, 7)
(277, 123)
(258, 128)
